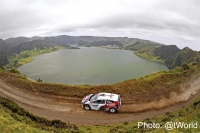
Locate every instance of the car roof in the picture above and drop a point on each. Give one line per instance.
(107, 96)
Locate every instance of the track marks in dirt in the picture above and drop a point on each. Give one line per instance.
(69, 109)
(169, 98)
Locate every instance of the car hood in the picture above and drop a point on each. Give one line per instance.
(86, 98)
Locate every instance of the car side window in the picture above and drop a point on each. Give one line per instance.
(109, 101)
(94, 102)
(100, 101)
(93, 97)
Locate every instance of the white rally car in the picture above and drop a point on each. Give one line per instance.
(102, 101)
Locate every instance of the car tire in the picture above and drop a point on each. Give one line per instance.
(87, 107)
(102, 108)
(112, 110)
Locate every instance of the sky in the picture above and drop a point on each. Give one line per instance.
(171, 22)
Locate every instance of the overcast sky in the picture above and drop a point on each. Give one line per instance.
(172, 22)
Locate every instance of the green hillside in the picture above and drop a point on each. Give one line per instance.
(143, 44)
(170, 55)
(185, 55)
(5, 51)
(18, 54)
(22, 121)
(16, 41)
(145, 49)
(26, 56)
(167, 51)
(24, 52)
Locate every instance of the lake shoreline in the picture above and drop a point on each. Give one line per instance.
(118, 62)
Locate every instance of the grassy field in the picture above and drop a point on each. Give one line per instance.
(27, 56)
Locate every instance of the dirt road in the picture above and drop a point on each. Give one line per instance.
(69, 109)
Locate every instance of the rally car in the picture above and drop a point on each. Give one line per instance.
(102, 101)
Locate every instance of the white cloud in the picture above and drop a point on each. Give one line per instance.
(167, 21)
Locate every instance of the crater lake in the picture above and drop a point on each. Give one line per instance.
(89, 65)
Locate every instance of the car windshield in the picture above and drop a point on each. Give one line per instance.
(94, 97)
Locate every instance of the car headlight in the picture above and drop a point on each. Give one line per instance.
(83, 101)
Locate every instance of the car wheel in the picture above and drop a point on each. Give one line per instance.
(102, 108)
(87, 107)
(112, 110)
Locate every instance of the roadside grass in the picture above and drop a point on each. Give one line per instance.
(15, 119)
(9, 125)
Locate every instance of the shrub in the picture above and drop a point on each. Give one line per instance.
(39, 80)
(125, 123)
(185, 66)
(13, 70)
(1, 67)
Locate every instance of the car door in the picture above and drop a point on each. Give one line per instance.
(98, 104)
(94, 105)
(101, 104)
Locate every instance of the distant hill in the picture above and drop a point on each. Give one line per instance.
(62, 40)
(36, 38)
(185, 55)
(16, 41)
(35, 44)
(166, 51)
(104, 43)
(5, 51)
(142, 44)
(171, 55)
(93, 40)
(83, 40)
(145, 49)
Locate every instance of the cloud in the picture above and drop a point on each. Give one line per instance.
(158, 20)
